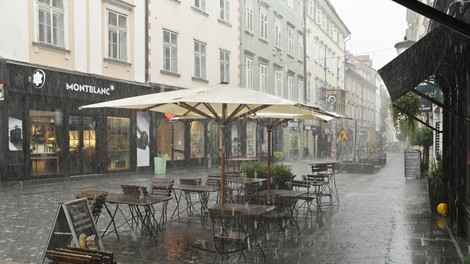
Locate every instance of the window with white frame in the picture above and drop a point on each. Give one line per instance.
(224, 66)
(117, 35)
(51, 22)
(309, 87)
(290, 40)
(300, 41)
(200, 4)
(290, 86)
(301, 90)
(318, 16)
(224, 10)
(199, 59)
(263, 22)
(300, 7)
(263, 77)
(277, 32)
(249, 73)
(170, 51)
(290, 3)
(249, 15)
(278, 82)
(311, 8)
(324, 22)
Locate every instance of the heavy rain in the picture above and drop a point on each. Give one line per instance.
(249, 131)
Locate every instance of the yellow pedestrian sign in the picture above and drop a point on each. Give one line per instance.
(342, 135)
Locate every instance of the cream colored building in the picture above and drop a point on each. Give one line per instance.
(96, 37)
(193, 43)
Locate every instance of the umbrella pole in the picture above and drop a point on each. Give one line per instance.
(223, 128)
(270, 133)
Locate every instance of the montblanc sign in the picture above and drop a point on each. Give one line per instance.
(84, 88)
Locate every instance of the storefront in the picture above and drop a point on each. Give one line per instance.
(46, 135)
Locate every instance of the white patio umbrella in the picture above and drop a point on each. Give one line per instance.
(222, 103)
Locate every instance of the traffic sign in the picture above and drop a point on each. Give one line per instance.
(343, 136)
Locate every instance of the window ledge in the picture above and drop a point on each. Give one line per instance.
(117, 62)
(249, 33)
(223, 22)
(198, 79)
(263, 40)
(290, 56)
(200, 11)
(170, 73)
(37, 45)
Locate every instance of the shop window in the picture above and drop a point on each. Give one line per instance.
(43, 143)
(251, 139)
(118, 143)
(178, 141)
(197, 139)
(213, 139)
(164, 139)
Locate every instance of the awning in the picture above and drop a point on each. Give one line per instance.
(420, 61)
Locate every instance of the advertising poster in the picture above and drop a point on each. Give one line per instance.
(15, 134)
(143, 151)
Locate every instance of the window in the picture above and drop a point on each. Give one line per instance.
(277, 32)
(318, 16)
(263, 23)
(199, 59)
(301, 90)
(44, 148)
(301, 47)
(249, 15)
(309, 88)
(290, 86)
(224, 10)
(290, 40)
(263, 77)
(290, 3)
(300, 7)
(249, 73)
(224, 66)
(117, 36)
(200, 4)
(311, 8)
(278, 82)
(51, 29)
(170, 51)
(118, 143)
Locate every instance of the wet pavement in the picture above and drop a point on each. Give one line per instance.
(381, 218)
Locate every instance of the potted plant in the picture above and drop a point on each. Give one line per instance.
(280, 174)
(436, 188)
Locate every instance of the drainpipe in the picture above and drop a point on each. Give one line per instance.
(146, 42)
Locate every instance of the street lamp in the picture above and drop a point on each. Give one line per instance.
(404, 45)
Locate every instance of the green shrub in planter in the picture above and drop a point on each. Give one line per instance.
(255, 168)
(280, 175)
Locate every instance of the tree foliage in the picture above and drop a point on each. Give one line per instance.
(410, 103)
(422, 136)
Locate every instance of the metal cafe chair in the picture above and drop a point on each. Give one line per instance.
(228, 233)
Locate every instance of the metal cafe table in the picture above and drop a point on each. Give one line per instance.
(143, 209)
(203, 192)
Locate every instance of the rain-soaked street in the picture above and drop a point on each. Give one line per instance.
(381, 218)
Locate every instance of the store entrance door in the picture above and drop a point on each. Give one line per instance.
(82, 145)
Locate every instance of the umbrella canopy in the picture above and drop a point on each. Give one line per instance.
(222, 103)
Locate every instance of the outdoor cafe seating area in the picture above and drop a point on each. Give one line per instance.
(247, 221)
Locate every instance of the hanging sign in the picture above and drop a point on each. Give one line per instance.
(343, 136)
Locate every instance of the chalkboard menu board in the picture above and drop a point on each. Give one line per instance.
(73, 219)
(412, 164)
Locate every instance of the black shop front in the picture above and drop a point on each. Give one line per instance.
(44, 134)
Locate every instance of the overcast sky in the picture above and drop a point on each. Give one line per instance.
(375, 26)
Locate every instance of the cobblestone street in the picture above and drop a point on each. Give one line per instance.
(381, 218)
